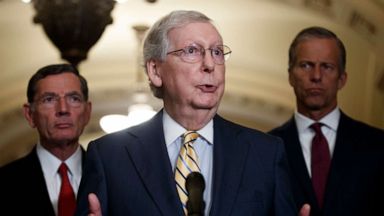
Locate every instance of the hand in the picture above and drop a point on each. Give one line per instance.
(94, 205)
(305, 210)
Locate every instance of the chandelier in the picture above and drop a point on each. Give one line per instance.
(73, 26)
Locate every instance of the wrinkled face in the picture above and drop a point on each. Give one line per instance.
(59, 111)
(316, 77)
(186, 85)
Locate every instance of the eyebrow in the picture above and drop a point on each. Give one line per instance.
(66, 94)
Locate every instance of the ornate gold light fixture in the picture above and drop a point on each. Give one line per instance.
(73, 26)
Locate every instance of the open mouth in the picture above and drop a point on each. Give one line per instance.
(207, 88)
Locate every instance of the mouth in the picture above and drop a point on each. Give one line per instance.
(315, 91)
(207, 88)
(63, 125)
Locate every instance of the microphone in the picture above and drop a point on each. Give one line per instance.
(195, 186)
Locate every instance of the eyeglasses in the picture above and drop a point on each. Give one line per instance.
(52, 100)
(196, 53)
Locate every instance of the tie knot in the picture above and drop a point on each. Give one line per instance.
(317, 127)
(63, 169)
(190, 136)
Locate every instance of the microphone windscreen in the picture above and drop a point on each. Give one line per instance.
(195, 186)
(195, 180)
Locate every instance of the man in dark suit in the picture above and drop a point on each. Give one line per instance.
(352, 168)
(58, 108)
(132, 172)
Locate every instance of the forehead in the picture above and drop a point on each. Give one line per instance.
(318, 48)
(59, 83)
(203, 33)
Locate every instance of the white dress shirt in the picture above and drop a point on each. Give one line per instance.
(50, 165)
(203, 146)
(306, 134)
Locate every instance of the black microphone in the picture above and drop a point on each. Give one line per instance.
(195, 186)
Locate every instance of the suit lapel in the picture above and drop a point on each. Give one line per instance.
(229, 156)
(297, 163)
(37, 182)
(149, 154)
(339, 162)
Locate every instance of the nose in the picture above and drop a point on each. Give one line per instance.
(208, 62)
(316, 74)
(62, 106)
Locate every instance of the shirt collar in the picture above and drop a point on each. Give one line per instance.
(331, 120)
(173, 130)
(50, 163)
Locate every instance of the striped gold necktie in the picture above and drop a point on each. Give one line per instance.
(187, 162)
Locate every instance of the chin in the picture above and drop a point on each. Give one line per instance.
(314, 106)
(207, 105)
(315, 103)
(65, 137)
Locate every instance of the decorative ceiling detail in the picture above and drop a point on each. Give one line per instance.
(267, 112)
(380, 3)
(360, 23)
(322, 5)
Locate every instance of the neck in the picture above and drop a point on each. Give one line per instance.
(192, 119)
(316, 114)
(61, 150)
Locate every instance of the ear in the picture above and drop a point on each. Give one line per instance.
(342, 80)
(28, 114)
(290, 78)
(154, 74)
(88, 111)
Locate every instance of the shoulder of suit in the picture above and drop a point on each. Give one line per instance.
(234, 126)
(252, 134)
(286, 126)
(348, 121)
(361, 132)
(25, 164)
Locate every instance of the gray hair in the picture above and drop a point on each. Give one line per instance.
(156, 43)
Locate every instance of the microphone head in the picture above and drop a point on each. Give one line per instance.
(195, 186)
(195, 180)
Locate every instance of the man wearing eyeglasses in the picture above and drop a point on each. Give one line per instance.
(142, 170)
(45, 182)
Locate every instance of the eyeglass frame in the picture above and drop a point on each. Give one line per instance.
(202, 52)
(51, 100)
